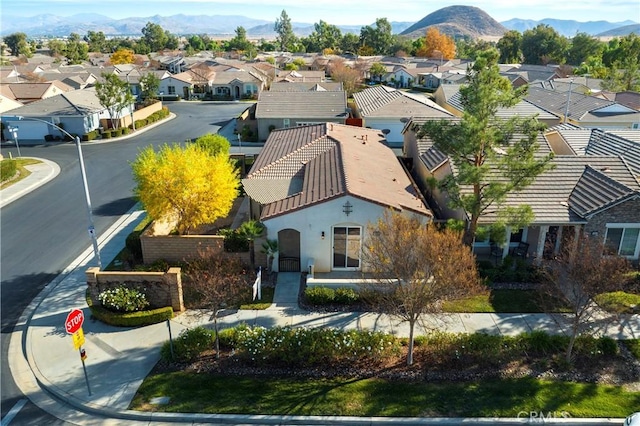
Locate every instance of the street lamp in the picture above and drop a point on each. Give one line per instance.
(14, 132)
(566, 111)
(91, 229)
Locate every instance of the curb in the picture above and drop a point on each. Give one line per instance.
(54, 170)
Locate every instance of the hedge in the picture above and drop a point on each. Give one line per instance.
(130, 319)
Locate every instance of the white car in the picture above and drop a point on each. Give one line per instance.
(633, 420)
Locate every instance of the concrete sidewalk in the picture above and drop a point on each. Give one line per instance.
(48, 369)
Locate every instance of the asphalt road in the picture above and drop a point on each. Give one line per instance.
(44, 231)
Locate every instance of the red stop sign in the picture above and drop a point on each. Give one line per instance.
(74, 321)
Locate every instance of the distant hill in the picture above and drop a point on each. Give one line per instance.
(57, 26)
(568, 28)
(621, 31)
(458, 21)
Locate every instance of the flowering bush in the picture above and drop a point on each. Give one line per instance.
(312, 346)
(188, 345)
(123, 299)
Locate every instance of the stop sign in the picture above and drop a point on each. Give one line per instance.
(74, 321)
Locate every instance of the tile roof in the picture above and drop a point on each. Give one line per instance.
(77, 102)
(606, 143)
(313, 105)
(294, 86)
(564, 193)
(383, 101)
(304, 166)
(523, 108)
(556, 102)
(596, 191)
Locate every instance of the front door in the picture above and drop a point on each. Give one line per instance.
(346, 247)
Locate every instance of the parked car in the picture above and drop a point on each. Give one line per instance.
(633, 420)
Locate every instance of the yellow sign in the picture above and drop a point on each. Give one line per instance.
(78, 338)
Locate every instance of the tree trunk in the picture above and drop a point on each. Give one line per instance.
(470, 232)
(572, 342)
(412, 324)
(215, 327)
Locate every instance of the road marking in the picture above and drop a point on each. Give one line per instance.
(13, 412)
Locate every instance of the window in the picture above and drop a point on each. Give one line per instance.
(171, 90)
(623, 240)
(286, 123)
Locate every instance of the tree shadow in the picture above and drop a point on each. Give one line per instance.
(116, 207)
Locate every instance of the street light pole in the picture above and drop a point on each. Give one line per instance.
(92, 229)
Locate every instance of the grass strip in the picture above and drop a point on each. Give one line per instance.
(204, 393)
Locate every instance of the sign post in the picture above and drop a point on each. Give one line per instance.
(73, 325)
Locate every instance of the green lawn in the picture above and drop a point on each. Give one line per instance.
(21, 171)
(505, 301)
(619, 302)
(202, 393)
(634, 347)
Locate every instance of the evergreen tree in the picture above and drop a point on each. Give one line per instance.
(493, 157)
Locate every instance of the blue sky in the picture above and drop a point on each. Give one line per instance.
(336, 12)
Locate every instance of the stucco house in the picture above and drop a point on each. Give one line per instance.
(388, 109)
(78, 112)
(594, 190)
(278, 110)
(174, 86)
(317, 187)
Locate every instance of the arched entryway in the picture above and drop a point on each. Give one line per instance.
(289, 250)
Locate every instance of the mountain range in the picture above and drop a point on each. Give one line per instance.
(451, 20)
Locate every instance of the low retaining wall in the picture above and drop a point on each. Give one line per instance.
(161, 288)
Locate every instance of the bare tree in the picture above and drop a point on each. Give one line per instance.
(217, 283)
(415, 267)
(583, 271)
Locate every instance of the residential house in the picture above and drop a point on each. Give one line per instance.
(533, 73)
(388, 110)
(300, 76)
(585, 111)
(176, 86)
(597, 193)
(313, 189)
(7, 99)
(277, 110)
(31, 92)
(237, 84)
(448, 96)
(78, 112)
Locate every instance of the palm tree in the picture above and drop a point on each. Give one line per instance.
(270, 248)
(251, 230)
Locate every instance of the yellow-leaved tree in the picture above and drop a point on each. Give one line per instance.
(187, 185)
(437, 45)
(122, 56)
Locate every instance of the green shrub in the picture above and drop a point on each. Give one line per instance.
(228, 337)
(320, 295)
(634, 346)
(131, 319)
(312, 346)
(117, 132)
(134, 245)
(123, 299)
(125, 130)
(234, 242)
(619, 302)
(106, 134)
(608, 346)
(140, 123)
(90, 135)
(188, 345)
(540, 342)
(8, 169)
(346, 296)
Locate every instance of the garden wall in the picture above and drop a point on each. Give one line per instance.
(161, 288)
